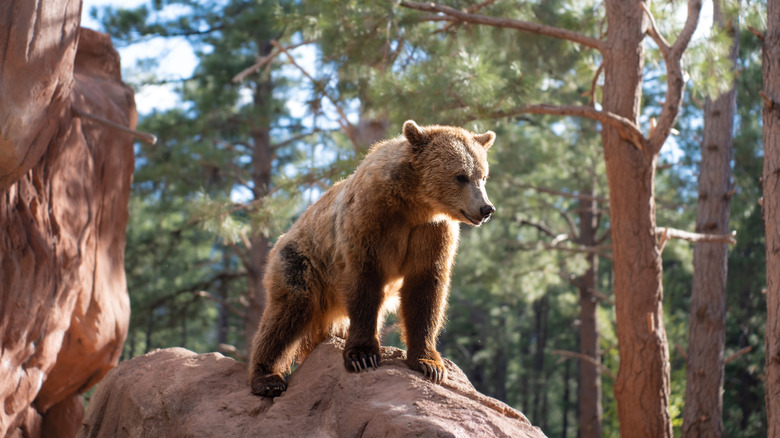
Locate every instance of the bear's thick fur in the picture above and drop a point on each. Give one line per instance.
(387, 232)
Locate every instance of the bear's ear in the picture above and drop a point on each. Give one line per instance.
(415, 135)
(486, 139)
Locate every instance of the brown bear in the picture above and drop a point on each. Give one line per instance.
(387, 233)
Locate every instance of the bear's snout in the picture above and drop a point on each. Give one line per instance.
(486, 211)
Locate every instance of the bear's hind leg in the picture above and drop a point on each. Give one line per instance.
(276, 343)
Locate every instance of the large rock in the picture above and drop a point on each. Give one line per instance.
(176, 393)
(64, 188)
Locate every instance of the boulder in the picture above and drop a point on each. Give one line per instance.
(64, 190)
(177, 393)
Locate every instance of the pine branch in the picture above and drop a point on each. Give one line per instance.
(343, 121)
(564, 194)
(598, 250)
(675, 84)
(606, 371)
(601, 239)
(541, 227)
(233, 309)
(294, 139)
(471, 9)
(667, 233)
(265, 60)
(593, 84)
(737, 354)
(143, 136)
(627, 129)
(242, 255)
(602, 297)
(510, 23)
(566, 217)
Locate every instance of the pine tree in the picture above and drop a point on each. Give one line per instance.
(771, 175)
(705, 369)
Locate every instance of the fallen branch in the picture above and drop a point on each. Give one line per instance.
(143, 136)
(604, 370)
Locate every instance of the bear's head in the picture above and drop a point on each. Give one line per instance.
(452, 167)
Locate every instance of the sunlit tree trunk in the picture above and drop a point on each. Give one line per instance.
(702, 415)
(771, 205)
(642, 386)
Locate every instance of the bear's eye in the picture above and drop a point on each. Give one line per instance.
(462, 178)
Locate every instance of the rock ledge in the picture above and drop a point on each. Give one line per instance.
(175, 392)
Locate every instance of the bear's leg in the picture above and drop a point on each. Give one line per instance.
(423, 300)
(424, 295)
(276, 342)
(364, 300)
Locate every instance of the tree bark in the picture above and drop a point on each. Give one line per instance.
(771, 205)
(222, 291)
(541, 308)
(566, 403)
(703, 412)
(262, 155)
(590, 408)
(642, 386)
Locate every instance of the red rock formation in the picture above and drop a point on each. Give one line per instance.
(175, 392)
(64, 187)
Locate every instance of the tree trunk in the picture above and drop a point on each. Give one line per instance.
(590, 409)
(566, 404)
(541, 307)
(222, 291)
(523, 353)
(771, 182)
(642, 386)
(501, 362)
(703, 412)
(261, 177)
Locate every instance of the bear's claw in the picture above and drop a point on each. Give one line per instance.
(435, 372)
(358, 361)
(270, 385)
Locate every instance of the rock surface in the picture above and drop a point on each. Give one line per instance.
(176, 393)
(64, 189)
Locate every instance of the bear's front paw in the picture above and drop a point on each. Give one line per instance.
(359, 358)
(432, 369)
(268, 385)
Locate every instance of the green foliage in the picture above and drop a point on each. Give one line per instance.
(710, 66)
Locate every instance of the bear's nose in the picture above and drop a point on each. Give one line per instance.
(486, 211)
